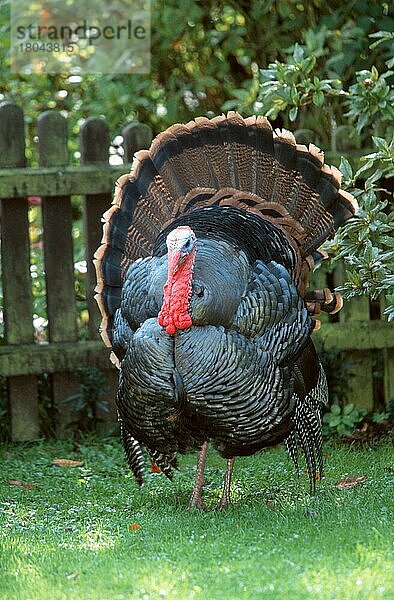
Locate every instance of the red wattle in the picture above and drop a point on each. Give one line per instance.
(177, 290)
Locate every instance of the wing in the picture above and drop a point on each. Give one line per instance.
(273, 313)
(310, 393)
(142, 296)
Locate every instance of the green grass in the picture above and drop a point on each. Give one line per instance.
(69, 537)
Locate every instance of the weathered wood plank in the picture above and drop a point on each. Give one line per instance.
(59, 181)
(15, 258)
(357, 312)
(57, 234)
(15, 253)
(136, 136)
(51, 358)
(12, 136)
(52, 139)
(23, 407)
(368, 335)
(94, 140)
(109, 420)
(59, 261)
(59, 269)
(361, 383)
(389, 374)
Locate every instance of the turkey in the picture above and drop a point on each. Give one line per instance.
(202, 285)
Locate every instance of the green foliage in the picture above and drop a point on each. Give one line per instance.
(201, 53)
(380, 417)
(343, 421)
(294, 85)
(384, 37)
(87, 403)
(297, 90)
(370, 100)
(366, 243)
(381, 162)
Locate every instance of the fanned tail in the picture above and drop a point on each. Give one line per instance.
(227, 161)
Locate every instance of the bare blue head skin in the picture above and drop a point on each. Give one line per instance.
(180, 244)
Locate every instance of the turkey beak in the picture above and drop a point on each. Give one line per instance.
(181, 260)
(175, 259)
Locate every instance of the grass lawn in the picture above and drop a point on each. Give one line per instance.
(88, 532)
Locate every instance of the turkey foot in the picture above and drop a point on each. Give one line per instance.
(225, 498)
(196, 499)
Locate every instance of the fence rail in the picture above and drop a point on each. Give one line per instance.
(22, 359)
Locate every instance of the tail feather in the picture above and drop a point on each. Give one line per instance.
(292, 449)
(196, 141)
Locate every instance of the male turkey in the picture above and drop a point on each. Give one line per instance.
(202, 279)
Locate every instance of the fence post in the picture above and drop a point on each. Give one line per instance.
(18, 312)
(59, 261)
(136, 136)
(94, 144)
(388, 361)
(361, 382)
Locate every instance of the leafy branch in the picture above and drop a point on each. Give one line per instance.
(293, 85)
(366, 243)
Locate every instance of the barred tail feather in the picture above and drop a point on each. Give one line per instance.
(133, 452)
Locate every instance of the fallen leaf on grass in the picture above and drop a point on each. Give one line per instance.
(347, 483)
(16, 483)
(134, 527)
(154, 468)
(65, 462)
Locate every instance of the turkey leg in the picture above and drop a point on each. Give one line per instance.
(195, 499)
(225, 498)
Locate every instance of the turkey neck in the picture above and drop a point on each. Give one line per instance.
(177, 292)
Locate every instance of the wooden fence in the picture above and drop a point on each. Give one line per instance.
(370, 343)
(22, 360)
